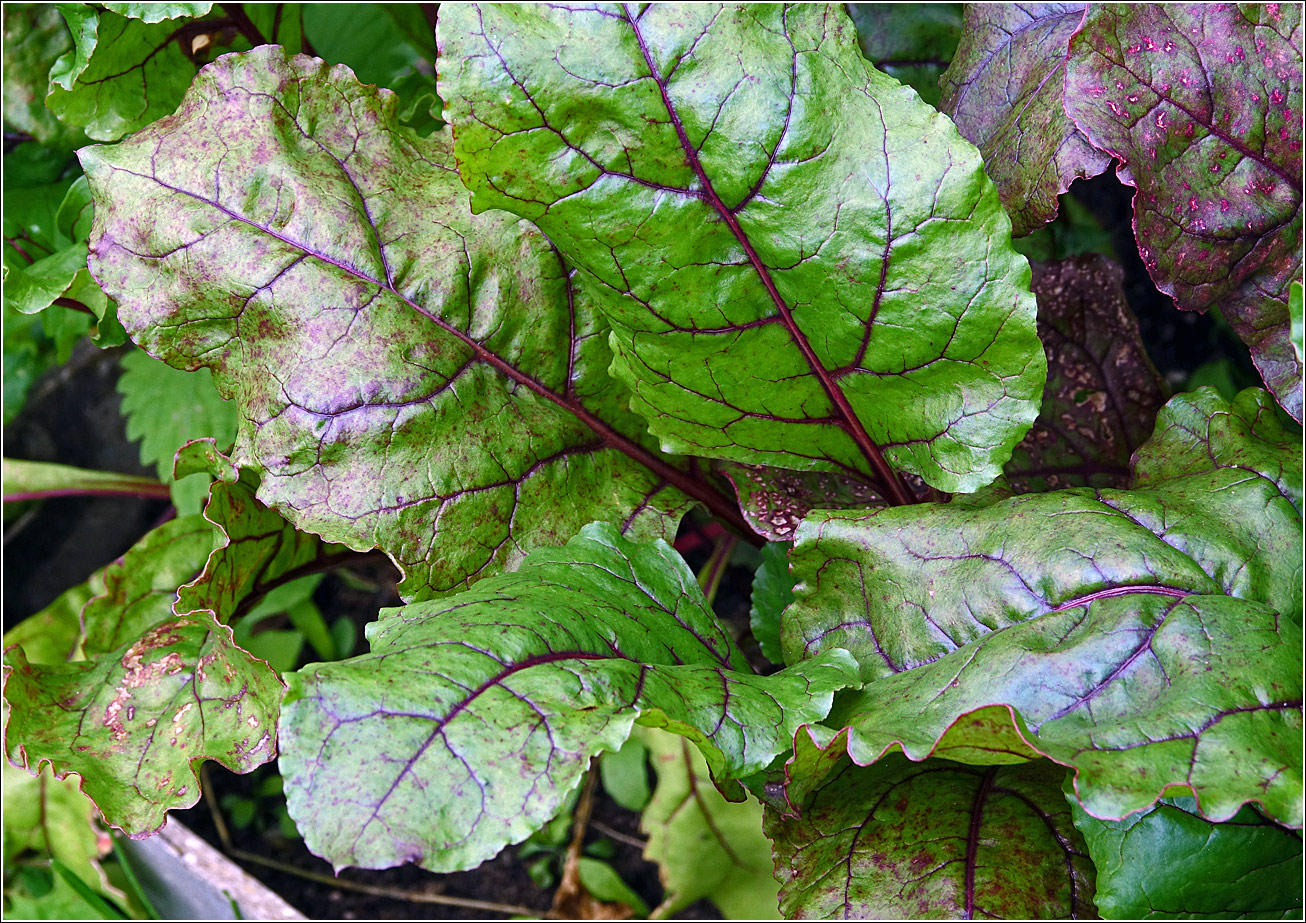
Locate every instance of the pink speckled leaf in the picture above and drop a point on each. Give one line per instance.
(1003, 89)
(1202, 105)
(409, 376)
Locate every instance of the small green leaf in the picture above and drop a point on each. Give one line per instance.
(602, 881)
(1169, 863)
(166, 408)
(704, 846)
(624, 774)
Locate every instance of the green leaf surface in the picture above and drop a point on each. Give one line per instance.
(121, 74)
(604, 883)
(442, 394)
(158, 12)
(1202, 105)
(1004, 91)
(1103, 393)
(704, 846)
(58, 901)
(53, 635)
(910, 42)
(1168, 863)
(47, 815)
(470, 720)
(34, 38)
(933, 840)
(773, 590)
(1295, 311)
(804, 265)
(1121, 635)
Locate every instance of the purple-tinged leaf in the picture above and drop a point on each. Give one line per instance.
(1103, 392)
(1118, 624)
(136, 722)
(410, 376)
(1138, 693)
(933, 840)
(775, 500)
(1168, 863)
(473, 717)
(1003, 89)
(1202, 106)
(1216, 509)
(803, 263)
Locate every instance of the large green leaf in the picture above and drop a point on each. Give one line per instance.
(1004, 91)
(1103, 392)
(1120, 633)
(473, 717)
(1202, 105)
(704, 846)
(933, 840)
(409, 376)
(1168, 863)
(804, 265)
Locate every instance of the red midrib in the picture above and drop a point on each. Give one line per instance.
(894, 488)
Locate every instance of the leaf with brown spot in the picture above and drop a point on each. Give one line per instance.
(1103, 392)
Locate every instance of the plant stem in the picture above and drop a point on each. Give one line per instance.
(709, 578)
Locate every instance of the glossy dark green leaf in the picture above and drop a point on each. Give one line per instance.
(1103, 392)
(363, 36)
(773, 590)
(409, 376)
(910, 42)
(1168, 863)
(1120, 633)
(1004, 91)
(1202, 106)
(933, 840)
(472, 717)
(804, 265)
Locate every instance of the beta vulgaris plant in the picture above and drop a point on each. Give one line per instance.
(1038, 641)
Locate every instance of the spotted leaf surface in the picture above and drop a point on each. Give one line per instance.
(804, 265)
(1169, 863)
(775, 501)
(1103, 392)
(1004, 91)
(1202, 106)
(136, 722)
(1120, 635)
(409, 376)
(933, 840)
(472, 718)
